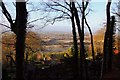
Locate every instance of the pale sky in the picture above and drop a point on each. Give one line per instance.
(96, 18)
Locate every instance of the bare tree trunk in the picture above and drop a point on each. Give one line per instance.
(83, 66)
(21, 20)
(92, 44)
(75, 44)
(112, 26)
(106, 40)
(19, 28)
(84, 60)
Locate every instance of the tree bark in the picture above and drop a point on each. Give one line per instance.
(106, 41)
(19, 28)
(111, 41)
(75, 57)
(92, 44)
(83, 66)
(21, 20)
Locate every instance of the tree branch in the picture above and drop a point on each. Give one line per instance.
(118, 14)
(57, 9)
(86, 4)
(6, 31)
(5, 25)
(35, 20)
(92, 45)
(61, 5)
(6, 13)
(118, 29)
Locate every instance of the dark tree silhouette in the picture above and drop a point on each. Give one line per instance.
(19, 28)
(81, 40)
(75, 42)
(111, 42)
(83, 64)
(92, 44)
(106, 46)
(21, 20)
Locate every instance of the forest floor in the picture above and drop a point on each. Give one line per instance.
(114, 74)
(57, 72)
(66, 71)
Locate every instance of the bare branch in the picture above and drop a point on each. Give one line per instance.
(6, 31)
(14, 4)
(61, 17)
(61, 5)
(6, 13)
(85, 7)
(118, 14)
(5, 25)
(79, 6)
(58, 10)
(88, 12)
(86, 4)
(35, 20)
(118, 29)
(67, 3)
(92, 45)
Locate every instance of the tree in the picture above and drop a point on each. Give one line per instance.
(117, 12)
(82, 55)
(19, 28)
(83, 63)
(105, 51)
(75, 42)
(108, 41)
(21, 20)
(111, 42)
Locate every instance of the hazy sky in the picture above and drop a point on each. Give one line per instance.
(96, 17)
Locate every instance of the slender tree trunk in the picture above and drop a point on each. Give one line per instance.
(112, 26)
(106, 41)
(83, 66)
(75, 44)
(21, 20)
(83, 19)
(108, 30)
(92, 44)
(79, 33)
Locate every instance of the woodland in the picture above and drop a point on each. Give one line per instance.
(86, 56)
